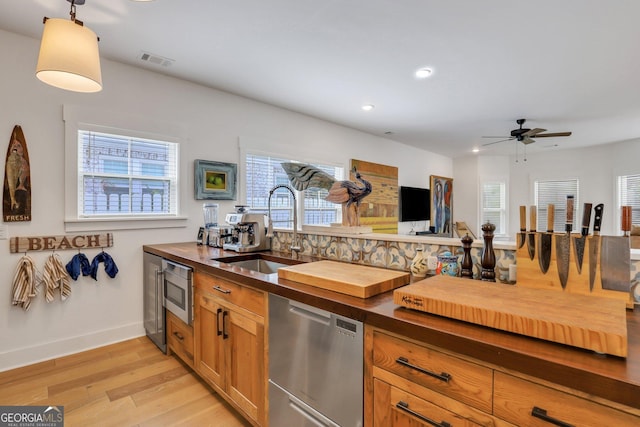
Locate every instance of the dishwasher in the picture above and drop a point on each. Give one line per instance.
(316, 366)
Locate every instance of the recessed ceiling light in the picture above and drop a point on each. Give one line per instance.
(368, 107)
(476, 150)
(423, 73)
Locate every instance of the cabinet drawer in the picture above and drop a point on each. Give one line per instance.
(180, 338)
(395, 407)
(461, 380)
(242, 296)
(515, 400)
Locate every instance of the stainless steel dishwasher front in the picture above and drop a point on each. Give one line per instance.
(316, 366)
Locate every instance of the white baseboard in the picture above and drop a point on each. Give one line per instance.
(38, 353)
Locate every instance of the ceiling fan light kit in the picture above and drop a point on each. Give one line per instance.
(69, 57)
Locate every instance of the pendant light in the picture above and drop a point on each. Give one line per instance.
(69, 57)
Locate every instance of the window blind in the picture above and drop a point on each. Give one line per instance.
(494, 205)
(555, 192)
(263, 172)
(629, 195)
(123, 176)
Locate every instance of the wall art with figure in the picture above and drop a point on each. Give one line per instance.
(442, 205)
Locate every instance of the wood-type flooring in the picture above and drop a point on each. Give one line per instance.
(130, 383)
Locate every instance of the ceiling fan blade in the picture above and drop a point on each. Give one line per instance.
(495, 142)
(552, 134)
(534, 132)
(501, 136)
(526, 140)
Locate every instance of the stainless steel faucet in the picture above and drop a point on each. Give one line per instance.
(295, 248)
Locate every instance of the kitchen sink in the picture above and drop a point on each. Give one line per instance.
(260, 263)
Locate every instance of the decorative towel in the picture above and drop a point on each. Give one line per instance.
(109, 265)
(25, 283)
(79, 263)
(55, 277)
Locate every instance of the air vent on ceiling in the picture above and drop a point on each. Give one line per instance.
(155, 59)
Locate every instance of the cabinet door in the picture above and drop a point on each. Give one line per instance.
(245, 356)
(209, 357)
(396, 408)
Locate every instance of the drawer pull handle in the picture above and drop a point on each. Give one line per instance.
(442, 377)
(218, 331)
(404, 406)
(179, 336)
(225, 335)
(542, 414)
(222, 290)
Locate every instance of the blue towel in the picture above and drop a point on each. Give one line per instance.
(79, 263)
(109, 265)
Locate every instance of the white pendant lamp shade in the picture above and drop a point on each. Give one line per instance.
(69, 57)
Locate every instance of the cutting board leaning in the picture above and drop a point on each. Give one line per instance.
(16, 197)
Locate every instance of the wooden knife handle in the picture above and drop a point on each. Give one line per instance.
(533, 219)
(625, 221)
(551, 216)
(569, 219)
(523, 218)
(586, 218)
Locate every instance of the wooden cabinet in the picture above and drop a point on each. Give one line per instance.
(416, 385)
(180, 339)
(230, 343)
(527, 403)
(409, 383)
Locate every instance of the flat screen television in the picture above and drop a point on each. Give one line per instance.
(415, 204)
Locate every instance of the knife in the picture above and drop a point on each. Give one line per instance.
(615, 258)
(522, 237)
(579, 242)
(544, 257)
(531, 242)
(563, 244)
(594, 244)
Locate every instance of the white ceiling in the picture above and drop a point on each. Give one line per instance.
(565, 65)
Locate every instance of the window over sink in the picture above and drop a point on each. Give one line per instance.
(263, 172)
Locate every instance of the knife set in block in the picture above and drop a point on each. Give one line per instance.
(576, 262)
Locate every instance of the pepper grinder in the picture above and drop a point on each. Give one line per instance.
(467, 263)
(488, 259)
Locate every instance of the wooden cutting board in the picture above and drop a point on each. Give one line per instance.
(590, 322)
(351, 279)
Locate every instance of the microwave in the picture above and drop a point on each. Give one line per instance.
(178, 291)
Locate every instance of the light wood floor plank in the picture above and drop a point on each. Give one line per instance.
(124, 384)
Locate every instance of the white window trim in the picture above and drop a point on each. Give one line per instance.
(87, 118)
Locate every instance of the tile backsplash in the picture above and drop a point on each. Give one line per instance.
(397, 254)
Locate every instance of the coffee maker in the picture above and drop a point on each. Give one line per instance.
(249, 231)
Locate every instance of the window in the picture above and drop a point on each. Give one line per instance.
(494, 205)
(555, 192)
(123, 176)
(263, 172)
(629, 195)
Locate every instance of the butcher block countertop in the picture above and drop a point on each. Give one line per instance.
(609, 377)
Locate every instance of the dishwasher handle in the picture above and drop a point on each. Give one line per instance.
(310, 312)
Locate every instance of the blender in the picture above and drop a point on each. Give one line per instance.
(215, 235)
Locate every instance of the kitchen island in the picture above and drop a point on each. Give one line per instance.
(609, 380)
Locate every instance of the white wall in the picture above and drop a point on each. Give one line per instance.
(111, 310)
(596, 168)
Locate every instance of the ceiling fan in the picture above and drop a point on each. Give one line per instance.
(525, 135)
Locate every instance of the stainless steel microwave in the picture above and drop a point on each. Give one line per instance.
(178, 292)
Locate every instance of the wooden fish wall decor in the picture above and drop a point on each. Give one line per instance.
(16, 197)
